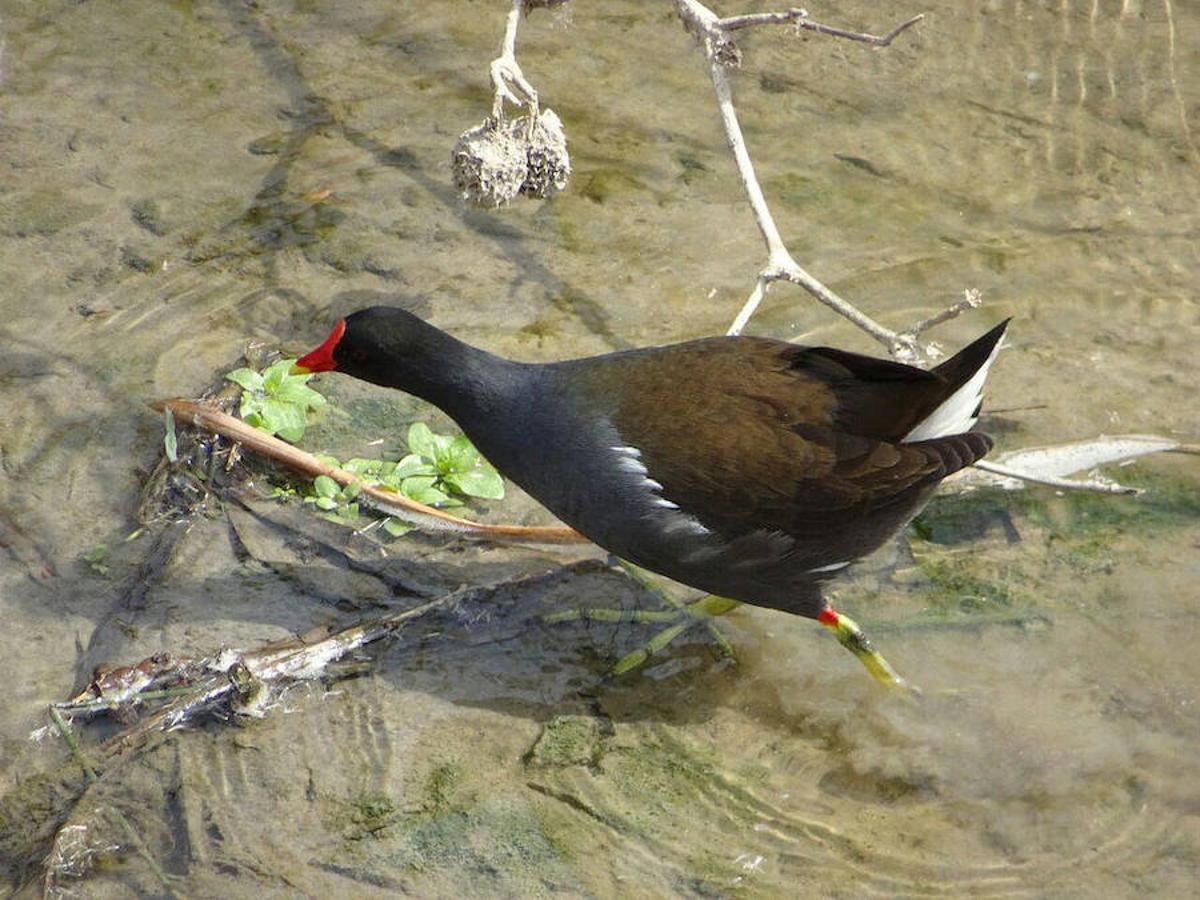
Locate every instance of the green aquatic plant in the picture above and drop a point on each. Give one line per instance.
(276, 401)
(97, 560)
(441, 470)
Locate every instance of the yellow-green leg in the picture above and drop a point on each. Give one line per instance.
(851, 637)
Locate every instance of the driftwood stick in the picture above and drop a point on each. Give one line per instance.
(388, 502)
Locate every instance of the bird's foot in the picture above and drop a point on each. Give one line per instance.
(851, 637)
(678, 619)
(701, 612)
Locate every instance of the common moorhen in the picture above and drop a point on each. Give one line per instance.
(750, 468)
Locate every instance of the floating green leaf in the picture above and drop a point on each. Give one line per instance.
(275, 400)
(422, 441)
(325, 486)
(481, 482)
(248, 379)
(97, 559)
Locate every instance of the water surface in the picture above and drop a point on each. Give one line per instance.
(177, 179)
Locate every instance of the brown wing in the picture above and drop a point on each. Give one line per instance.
(731, 425)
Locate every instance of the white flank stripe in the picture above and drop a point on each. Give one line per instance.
(629, 464)
(832, 567)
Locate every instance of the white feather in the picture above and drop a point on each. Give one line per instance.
(632, 465)
(956, 414)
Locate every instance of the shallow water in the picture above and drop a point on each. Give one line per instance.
(179, 178)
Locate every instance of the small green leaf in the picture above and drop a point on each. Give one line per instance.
(275, 374)
(395, 527)
(460, 456)
(434, 497)
(479, 482)
(360, 466)
(411, 465)
(326, 502)
(352, 490)
(345, 515)
(421, 489)
(325, 486)
(326, 460)
(293, 390)
(417, 483)
(421, 440)
(248, 379)
(170, 441)
(284, 419)
(251, 404)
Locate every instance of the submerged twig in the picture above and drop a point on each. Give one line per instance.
(1066, 484)
(139, 845)
(245, 679)
(1051, 465)
(799, 18)
(68, 735)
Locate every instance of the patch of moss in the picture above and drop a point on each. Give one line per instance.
(957, 586)
(364, 815)
(147, 215)
(792, 189)
(1083, 518)
(567, 741)
(693, 168)
(441, 786)
(964, 518)
(1168, 501)
(493, 841)
(141, 260)
(41, 213)
(665, 767)
(604, 185)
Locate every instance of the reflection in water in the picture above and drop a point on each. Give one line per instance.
(183, 178)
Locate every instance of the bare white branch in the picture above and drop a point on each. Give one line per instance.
(713, 33)
(1096, 485)
(508, 80)
(1051, 465)
(799, 18)
(972, 299)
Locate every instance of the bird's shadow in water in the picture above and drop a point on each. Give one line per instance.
(492, 649)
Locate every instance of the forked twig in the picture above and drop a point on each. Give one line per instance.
(799, 18)
(713, 33)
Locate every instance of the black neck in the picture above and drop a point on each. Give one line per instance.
(417, 358)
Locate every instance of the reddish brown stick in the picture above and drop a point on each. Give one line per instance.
(390, 502)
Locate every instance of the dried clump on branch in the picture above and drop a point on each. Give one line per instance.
(501, 158)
